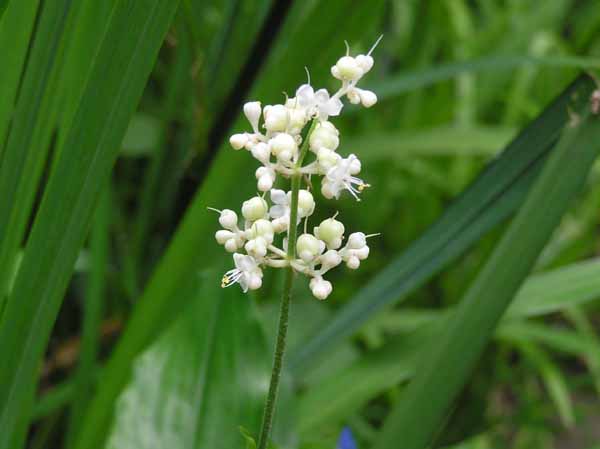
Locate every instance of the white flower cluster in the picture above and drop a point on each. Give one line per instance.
(281, 150)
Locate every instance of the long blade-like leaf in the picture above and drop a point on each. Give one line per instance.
(116, 82)
(492, 197)
(450, 359)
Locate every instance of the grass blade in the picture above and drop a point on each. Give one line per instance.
(113, 89)
(444, 371)
(490, 199)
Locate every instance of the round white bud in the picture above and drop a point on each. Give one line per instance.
(231, 245)
(347, 69)
(327, 158)
(320, 288)
(254, 208)
(261, 152)
(325, 136)
(365, 62)
(222, 236)
(228, 219)
(265, 183)
(297, 120)
(331, 259)
(331, 232)
(283, 146)
(362, 253)
(276, 118)
(367, 98)
(252, 111)
(353, 96)
(261, 228)
(308, 247)
(256, 247)
(356, 240)
(306, 203)
(238, 141)
(353, 262)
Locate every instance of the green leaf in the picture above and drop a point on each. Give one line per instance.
(117, 78)
(423, 78)
(490, 199)
(441, 141)
(557, 289)
(444, 370)
(16, 25)
(203, 379)
(553, 380)
(142, 136)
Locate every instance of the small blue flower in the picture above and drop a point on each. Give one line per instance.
(346, 440)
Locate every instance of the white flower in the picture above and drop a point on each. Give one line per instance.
(252, 111)
(331, 232)
(356, 249)
(284, 147)
(309, 247)
(280, 211)
(347, 69)
(266, 177)
(363, 96)
(254, 208)
(247, 273)
(325, 135)
(341, 176)
(320, 288)
(276, 118)
(318, 103)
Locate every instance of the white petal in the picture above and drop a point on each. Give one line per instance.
(279, 197)
(277, 211)
(305, 95)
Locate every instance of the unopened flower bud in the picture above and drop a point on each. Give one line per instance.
(308, 247)
(367, 98)
(331, 259)
(320, 288)
(331, 232)
(356, 240)
(252, 111)
(261, 228)
(254, 208)
(365, 62)
(261, 152)
(266, 178)
(353, 262)
(353, 96)
(257, 247)
(325, 136)
(347, 69)
(228, 219)
(283, 146)
(327, 158)
(306, 203)
(276, 118)
(231, 245)
(222, 236)
(238, 141)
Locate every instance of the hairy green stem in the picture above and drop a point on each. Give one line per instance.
(284, 310)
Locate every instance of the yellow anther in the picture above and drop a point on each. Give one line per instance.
(362, 187)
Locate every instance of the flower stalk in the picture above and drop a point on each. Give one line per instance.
(286, 300)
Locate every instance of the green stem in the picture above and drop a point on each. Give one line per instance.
(284, 310)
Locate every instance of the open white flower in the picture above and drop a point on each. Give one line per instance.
(341, 177)
(247, 273)
(318, 103)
